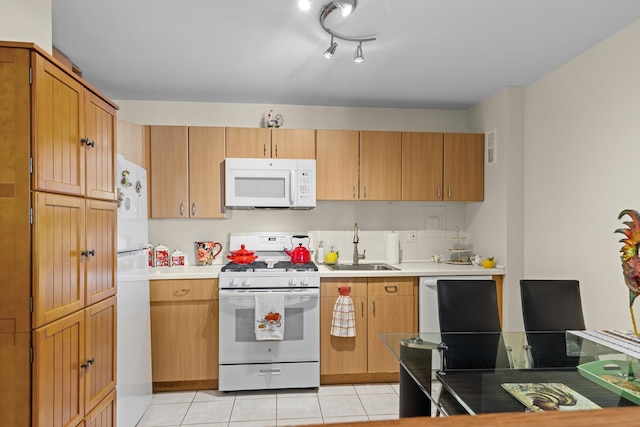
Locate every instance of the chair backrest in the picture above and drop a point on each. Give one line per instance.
(471, 306)
(468, 306)
(551, 305)
(555, 306)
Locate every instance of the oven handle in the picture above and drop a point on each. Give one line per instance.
(264, 372)
(249, 293)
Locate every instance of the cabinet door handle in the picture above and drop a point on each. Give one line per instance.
(365, 191)
(86, 364)
(362, 308)
(439, 191)
(264, 150)
(354, 191)
(181, 208)
(193, 209)
(92, 252)
(374, 307)
(180, 292)
(449, 191)
(276, 150)
(87, 142)
(391, 289)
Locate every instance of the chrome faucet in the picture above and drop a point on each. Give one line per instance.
(357, 256)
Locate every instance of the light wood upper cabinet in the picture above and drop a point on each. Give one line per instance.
(380, 165)
(206, 172)
(463, 167)
(270, 143)
(184, 330)
(248, 142)
(337, 160)
(186, 172)
(169, 147)
(422, 165)
(74, 135)
(293, 143)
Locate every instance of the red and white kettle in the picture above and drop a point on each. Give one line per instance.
(300, 254)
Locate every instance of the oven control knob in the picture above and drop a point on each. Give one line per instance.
(293, 281)
(304, 281)
(246, 282)
(233, 282)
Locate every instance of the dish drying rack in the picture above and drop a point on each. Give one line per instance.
(460, 252)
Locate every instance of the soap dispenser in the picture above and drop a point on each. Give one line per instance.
(320, 253)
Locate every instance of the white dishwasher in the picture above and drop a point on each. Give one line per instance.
(428, 320)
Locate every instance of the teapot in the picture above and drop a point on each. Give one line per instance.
(299, 255)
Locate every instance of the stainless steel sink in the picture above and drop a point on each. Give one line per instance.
(362, 267)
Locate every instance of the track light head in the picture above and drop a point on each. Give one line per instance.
(357, 56)
(346, 6)
(331, 50)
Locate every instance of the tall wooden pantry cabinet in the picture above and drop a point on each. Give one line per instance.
(58, 234)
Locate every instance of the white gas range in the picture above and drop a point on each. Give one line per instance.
(292, 361)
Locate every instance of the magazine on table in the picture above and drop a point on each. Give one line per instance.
(549, 397)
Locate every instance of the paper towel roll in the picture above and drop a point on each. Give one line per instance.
(392, 248)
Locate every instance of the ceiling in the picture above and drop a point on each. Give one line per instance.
(447, 54)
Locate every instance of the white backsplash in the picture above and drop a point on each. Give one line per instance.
(332, 222)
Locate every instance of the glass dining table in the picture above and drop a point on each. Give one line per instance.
(514, 371)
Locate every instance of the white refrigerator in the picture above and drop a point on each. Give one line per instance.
(134, 322)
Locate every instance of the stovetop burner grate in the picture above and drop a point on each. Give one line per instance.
(283, 266)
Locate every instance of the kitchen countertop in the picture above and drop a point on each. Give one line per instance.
(413, 269)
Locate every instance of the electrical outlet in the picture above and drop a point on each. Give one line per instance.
(411, 236)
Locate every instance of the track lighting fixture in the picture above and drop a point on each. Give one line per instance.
(357, 57)
(346, 6)
(342, 5)
(331, 50)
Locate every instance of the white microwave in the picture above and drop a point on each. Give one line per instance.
(270, 183)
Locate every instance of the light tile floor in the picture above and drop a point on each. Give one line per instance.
(274, 408)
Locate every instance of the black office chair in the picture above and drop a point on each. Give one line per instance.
(554, 306)
(470, 330)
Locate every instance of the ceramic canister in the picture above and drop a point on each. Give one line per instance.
(161, 256)
(177, 259)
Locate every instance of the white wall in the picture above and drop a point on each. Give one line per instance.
(582, 144)
(497, 223)
(26, 21)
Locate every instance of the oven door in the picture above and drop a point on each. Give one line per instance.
(301, 339)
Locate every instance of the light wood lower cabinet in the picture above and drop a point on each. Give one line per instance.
(184, 333)
(381, 305)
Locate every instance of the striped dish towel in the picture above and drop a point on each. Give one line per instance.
(343, 323)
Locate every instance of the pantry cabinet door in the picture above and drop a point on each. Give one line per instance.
(58, 378)
(104, 415)
(169, 148)
(100, 351)
(422, 156)
(380, 165)
(337, 164)
(206, 172)
(100, 130)
(58, 127)
(58, 263)
(101, 243)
